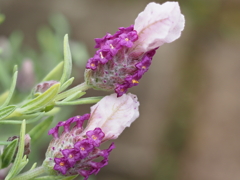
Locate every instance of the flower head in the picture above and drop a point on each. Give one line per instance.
(75, 149)
(124, 57)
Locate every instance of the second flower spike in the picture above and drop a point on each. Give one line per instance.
(76, 150)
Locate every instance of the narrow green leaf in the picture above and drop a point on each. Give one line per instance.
(6, 111)
(66, 84)
(23, 163)
(33, 166)
(67, 69)
(8, 153)
(40, 129)
(74, 96)
(11, 91)
(55, 74)
(15, 68)
(79, 88)
(15, 168)
(3, 97)
(17, 122)
(42, 100)
(90, 100)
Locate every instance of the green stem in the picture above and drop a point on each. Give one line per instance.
(89, 100)
(81, 87)
(30, 174)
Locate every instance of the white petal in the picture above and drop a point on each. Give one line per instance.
(113, 114)
(158, 24)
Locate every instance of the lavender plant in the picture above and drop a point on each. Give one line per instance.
(118, 64)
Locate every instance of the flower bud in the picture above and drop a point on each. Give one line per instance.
(124, 57)
(27, 147)
(44, 86)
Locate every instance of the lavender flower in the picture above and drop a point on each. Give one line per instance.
(124, 57)
(75, 150)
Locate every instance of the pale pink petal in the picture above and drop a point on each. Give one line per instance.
(113, 114)
(158, 24)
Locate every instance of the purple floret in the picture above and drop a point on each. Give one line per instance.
(133, 80)
(66, 124)
(80, 120)
(95, 136)
(54, 132)
(121, 89)
(61, 165)
(105, 153)
(71, 155)
(84, 147)
(103, 55)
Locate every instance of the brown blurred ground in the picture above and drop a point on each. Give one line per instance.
(189, 126)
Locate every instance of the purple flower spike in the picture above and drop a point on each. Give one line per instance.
(132, 48)
(95, 136)
(61, 165)
(111, 64)
(84, 147)
(77, 151)
(71, 155)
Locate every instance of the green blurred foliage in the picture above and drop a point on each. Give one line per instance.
(50, 53)
(2, 17)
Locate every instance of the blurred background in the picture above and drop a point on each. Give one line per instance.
(189, 124)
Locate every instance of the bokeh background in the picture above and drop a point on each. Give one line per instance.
(189, 124)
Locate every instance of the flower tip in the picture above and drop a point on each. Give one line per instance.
(158, 24)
